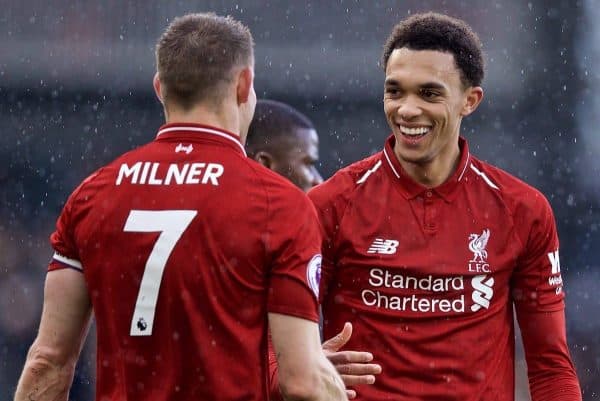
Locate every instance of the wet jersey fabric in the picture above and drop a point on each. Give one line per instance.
(429, 277)
(185, 245)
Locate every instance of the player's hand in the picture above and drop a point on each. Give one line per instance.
(353, 366)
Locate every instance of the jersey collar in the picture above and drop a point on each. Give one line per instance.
(195, 132)
(410, 188)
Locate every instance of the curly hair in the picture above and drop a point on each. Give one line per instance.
(433, 31)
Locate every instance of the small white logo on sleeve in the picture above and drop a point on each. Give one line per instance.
(383, 246)
(555, 279)
(313, 274)
(554, 262)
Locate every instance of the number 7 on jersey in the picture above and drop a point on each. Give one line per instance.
(171, 224)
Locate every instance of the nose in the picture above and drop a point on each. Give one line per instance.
(409, 108)
(317, 179)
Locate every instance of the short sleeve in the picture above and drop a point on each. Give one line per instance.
(294, 246)
(65, 251)
(537, 282)
(330, 206)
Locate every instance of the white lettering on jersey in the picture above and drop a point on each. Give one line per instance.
(383, 246)
(394, 290)
(555, 279)
(125, 172)
(554, 262)
(147, 173)
(383, 278)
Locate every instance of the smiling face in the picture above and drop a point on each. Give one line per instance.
(424, 103)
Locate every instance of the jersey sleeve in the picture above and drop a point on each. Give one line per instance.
(62, 240)
(293, 241)
(537, 281)
(330, 205)
(539, 303)
(66, 254)
(550, 370)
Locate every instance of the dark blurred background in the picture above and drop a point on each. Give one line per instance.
(75, 91)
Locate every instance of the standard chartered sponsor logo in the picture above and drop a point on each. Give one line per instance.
(435, 294)
(380, 278)
(482, 292)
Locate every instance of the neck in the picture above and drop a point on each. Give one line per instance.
(202, 114)
(432, 173)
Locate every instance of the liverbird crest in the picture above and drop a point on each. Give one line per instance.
(477, 244)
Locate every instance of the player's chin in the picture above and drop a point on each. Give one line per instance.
(410, 154)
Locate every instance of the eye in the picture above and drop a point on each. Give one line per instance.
(429, 93)
(392, 91)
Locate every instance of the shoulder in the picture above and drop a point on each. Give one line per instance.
(277, 190)
(102, 177)
(342, 185)
(521, 198)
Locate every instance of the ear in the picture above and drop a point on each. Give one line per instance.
(264, 158)
(474, 96)
(244, 85)
(157, 87)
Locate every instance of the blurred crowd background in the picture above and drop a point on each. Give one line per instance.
(75, 91)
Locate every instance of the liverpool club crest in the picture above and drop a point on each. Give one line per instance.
(477, 245)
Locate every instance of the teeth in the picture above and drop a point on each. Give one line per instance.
(414, 131)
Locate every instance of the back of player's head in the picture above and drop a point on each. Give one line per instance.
(433, 31)
(272, 122)
(198, 53)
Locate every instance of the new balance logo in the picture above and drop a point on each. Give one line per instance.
(187, 149)
(383, 246)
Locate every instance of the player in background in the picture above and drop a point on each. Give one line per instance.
(427, 249)
(284, 140)
(183, 247)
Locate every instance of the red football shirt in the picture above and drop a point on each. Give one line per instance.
(428, 277)
(185, 245)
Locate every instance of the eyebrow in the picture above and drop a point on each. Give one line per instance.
(427, 85)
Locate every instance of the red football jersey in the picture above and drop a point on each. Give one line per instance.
(428, 277)
(185, 245)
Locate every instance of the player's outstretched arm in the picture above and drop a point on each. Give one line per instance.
(304, 371)
(51, 360)
(353, 366)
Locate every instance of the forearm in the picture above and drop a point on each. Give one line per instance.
(273, 374)
(331, 382)
(321, 384)
(44, 379)
(560, 387)
(304, 371)
(551, 373)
